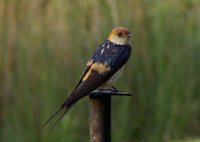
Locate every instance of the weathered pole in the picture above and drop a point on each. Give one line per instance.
(100, 115)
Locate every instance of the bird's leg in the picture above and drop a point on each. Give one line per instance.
(109, 88)
(100, 89)
(106, 89)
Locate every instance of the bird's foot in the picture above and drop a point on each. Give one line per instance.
(114, 89)
(111, 89)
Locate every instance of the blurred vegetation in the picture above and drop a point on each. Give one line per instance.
(188, 140)
(45, 44)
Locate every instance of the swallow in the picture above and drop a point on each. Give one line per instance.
(101, 70)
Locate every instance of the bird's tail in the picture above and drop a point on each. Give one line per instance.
(69, 102)
(65, 109)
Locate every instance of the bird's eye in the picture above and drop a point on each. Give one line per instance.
(119, 34)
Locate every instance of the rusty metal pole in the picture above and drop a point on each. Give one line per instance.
(100, 115)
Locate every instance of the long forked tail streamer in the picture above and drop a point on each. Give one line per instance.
(59, 118)
(52, 116)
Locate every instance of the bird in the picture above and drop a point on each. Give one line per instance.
(101, 70)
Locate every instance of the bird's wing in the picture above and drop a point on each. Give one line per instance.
(95, 76)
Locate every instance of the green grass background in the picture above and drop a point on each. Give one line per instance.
(45, 44)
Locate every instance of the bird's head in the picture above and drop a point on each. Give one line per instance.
(120, 36)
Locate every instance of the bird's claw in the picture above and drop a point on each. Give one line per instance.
(112, 89)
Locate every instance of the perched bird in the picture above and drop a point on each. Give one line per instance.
(103, 67)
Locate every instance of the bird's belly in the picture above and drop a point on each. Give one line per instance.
(108, 84)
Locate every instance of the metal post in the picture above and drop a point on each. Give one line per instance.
(100, 115)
